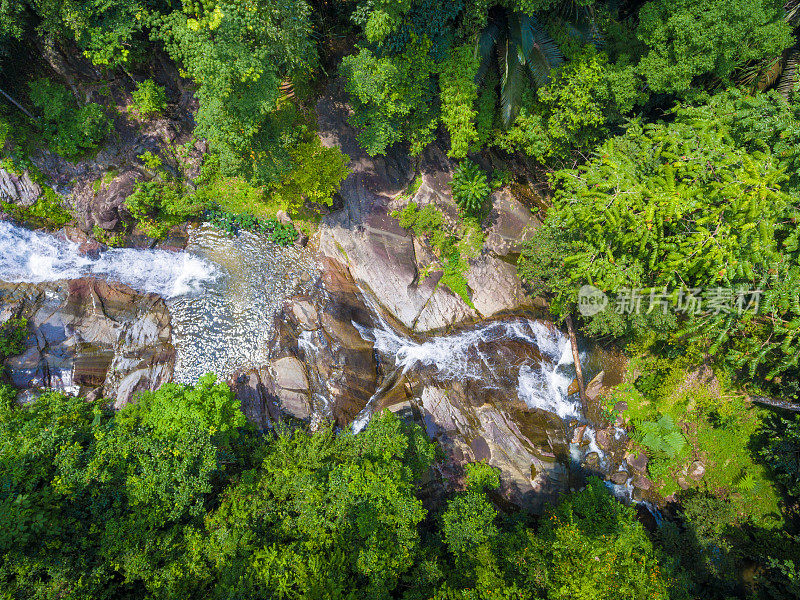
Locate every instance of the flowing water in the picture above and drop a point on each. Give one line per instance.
(222, 293)
(35, 257)
(529, 356)
(229, 325)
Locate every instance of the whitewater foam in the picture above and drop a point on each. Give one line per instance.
(36, 257)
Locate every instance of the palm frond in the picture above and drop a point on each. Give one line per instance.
(512, 84)
(790, 72)
(792, 9)
(544, 54)
(522, 33)
(490, 37)
(770, 71)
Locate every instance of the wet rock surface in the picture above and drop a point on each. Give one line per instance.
(18, 189)
(87, 335)
(384, 259)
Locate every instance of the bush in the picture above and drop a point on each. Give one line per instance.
(68, 130)
(470, 188)
(149, 99)
(316, 175)
(12, 337)
(47, 211)
(159, 206)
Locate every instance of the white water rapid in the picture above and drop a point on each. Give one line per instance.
(542, 371)
(35, 257)
(222, 292)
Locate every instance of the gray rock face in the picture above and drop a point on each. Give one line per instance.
(522, 444)
(90, 336)
(104, 209)
(18, 189)
(383, 258)
(514, 224)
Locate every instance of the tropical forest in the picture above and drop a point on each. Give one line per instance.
(399, 299)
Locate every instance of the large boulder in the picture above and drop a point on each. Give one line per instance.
(104, 207)
(513, 224)
(18, 189)
(253, 388)
(87, 336)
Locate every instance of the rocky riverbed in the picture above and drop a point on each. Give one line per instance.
(333, 332)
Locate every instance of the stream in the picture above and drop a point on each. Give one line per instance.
(224, 292)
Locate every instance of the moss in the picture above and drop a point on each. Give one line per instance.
(719, 425)
(111, 239)
(12, 337)
(47, 211)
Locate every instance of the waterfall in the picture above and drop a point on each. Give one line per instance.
(36, 257)
(474, 354)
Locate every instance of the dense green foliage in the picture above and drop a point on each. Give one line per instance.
(393, 99)
(470, 188)
(12, 337)
(68, 130)
(665, 138)
(159, 205)
(452, 246)
(175, 496)
(782, 452)
(149, 99)
(239, 51)
(690, 38)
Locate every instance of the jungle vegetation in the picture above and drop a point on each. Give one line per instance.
(663, 137)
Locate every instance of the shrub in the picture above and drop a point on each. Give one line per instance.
(12, 337)
(470, 188)
(69, 131)
(47, 211)
(159, 206)
(149, 99)
(316, 175)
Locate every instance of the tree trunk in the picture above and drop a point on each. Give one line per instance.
(578, 370)
(18, 105)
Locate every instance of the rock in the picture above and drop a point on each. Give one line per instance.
(573, 388)
(696, 471)
(621, 406)
(18, 189)
(201, 146)
(343, 332)
(104, 209)
(378, 253)
(289, 374)
(595, 387)
(295, 404)
(513, 226)
(637, 462)
(592, 460)
(88, 335)
(283, 218)
(682, 483)
(259, 405)
(619, 477)
(604, 439)
(381, 258)
(577, 436)
(304, 314)
(495, 286)
(530, 477)
(302, 240)
(641, 482)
